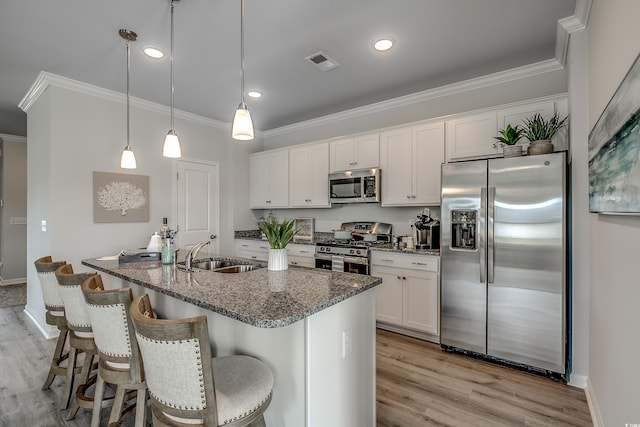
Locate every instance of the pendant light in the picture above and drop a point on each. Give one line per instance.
(171, 146)
(128, 159)
(242, 127)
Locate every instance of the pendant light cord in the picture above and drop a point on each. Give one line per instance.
(128, 72)
(242, 51)
(172, 128)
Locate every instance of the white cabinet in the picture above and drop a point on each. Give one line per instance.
(252, 249)
(269, 179)
(472, 136)
(360, 152)
(301, 255)
(516, 115)
(308, 172)
(410, 160)
(409, 294)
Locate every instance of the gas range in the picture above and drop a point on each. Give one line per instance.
(352, 255)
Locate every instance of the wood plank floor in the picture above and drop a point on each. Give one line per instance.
(420, 385)
(417, 385)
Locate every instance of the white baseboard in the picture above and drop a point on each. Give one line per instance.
(579, 381)
(596, 417)
(47, 331)
(4, 282)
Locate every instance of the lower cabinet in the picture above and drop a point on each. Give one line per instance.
(258, 250)
(408, 297)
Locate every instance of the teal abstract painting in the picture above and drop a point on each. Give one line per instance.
(614, 151)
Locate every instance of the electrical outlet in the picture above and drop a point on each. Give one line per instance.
(43, 225)
(347, 343)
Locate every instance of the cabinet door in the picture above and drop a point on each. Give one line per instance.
(252, 249)
(342, 155)
(420, 304)
(319, 175)
(367, 151)
(388, 295)
(471, 137)
(516, 115)
(396, 167)
(299, 178)
(258, 181)
(278, 179)
(427, 159)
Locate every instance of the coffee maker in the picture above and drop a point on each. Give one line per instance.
(426, 231)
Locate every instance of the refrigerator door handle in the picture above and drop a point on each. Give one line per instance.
(481, 230)
(490, 234)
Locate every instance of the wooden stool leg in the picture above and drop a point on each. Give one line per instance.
(56, 359)
(82, 380)
(141, 408)
(118, 403)
(68, 386)
(97, 402)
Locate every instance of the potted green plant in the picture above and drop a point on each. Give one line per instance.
(509, 137)
(278, 234)
(539, 132)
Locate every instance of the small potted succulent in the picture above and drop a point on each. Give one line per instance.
(278, 234)
(509, 137)
(539, 131)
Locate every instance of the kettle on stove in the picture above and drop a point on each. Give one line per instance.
(426, 231)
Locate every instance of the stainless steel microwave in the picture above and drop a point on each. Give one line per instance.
(357, 186)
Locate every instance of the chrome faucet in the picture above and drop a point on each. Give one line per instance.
(193, 252)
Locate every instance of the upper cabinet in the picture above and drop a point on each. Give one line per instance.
(269, 179)
(410, 160)
(360, 152)
(471, 136)
(308, 172)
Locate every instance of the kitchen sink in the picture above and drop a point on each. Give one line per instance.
(220, 266)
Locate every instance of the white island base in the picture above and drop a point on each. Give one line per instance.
(323, 366)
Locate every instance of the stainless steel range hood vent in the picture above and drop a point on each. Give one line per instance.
(322, 61)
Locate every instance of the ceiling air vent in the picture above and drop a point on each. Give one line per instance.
(322, 61)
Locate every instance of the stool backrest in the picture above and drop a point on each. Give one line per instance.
(177, 364)
(113, 330)
(75, 307)
(46, 270)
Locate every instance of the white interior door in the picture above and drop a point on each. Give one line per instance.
(198, 204)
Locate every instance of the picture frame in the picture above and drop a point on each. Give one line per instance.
(614, 151)
(119, 197)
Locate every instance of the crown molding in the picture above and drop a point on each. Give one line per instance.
(5, 137)
(46, 79)
(571, 24)
(489, 80)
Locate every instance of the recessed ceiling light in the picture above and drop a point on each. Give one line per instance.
(254, 94)
(153, 52)
(384, 44)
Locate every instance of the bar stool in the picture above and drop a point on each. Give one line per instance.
(80, 336)
(119, 362)
(186, 385)
(45, 269)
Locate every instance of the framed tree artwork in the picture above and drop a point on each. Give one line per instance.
(119, 197)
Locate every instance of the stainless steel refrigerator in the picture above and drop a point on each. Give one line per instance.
(503, 259)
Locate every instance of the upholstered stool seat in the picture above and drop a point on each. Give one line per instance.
(80, 336)
(189, 387)
(45, 269)
(120, 362)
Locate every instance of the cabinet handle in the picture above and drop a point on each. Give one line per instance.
(419, 263)
(413, 196)
(304, 252)
(408, 196)
(404, 278)
(399, 277)
(386, 260)
(253, 257)
(245, 246)
(293, 263)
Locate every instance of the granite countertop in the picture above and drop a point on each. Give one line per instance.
(390, 248)
(261, 298)
(318, 237)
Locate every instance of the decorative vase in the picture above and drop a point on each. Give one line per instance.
(277, 260)
(543, 146)
(512, 150)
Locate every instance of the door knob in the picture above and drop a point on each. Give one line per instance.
(213, 236)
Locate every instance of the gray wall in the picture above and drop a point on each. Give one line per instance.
(13, 188)
(613, 35)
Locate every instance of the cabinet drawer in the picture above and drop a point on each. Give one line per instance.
(301, 250)
(414, 262)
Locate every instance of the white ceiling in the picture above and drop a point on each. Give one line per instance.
(438, 42)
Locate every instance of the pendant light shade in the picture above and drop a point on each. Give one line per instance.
(242, 127)
(128, 159)
(171, 146)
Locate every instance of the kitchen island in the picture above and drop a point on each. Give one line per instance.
(314, 328)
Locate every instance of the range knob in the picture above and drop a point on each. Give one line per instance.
(351, 251)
